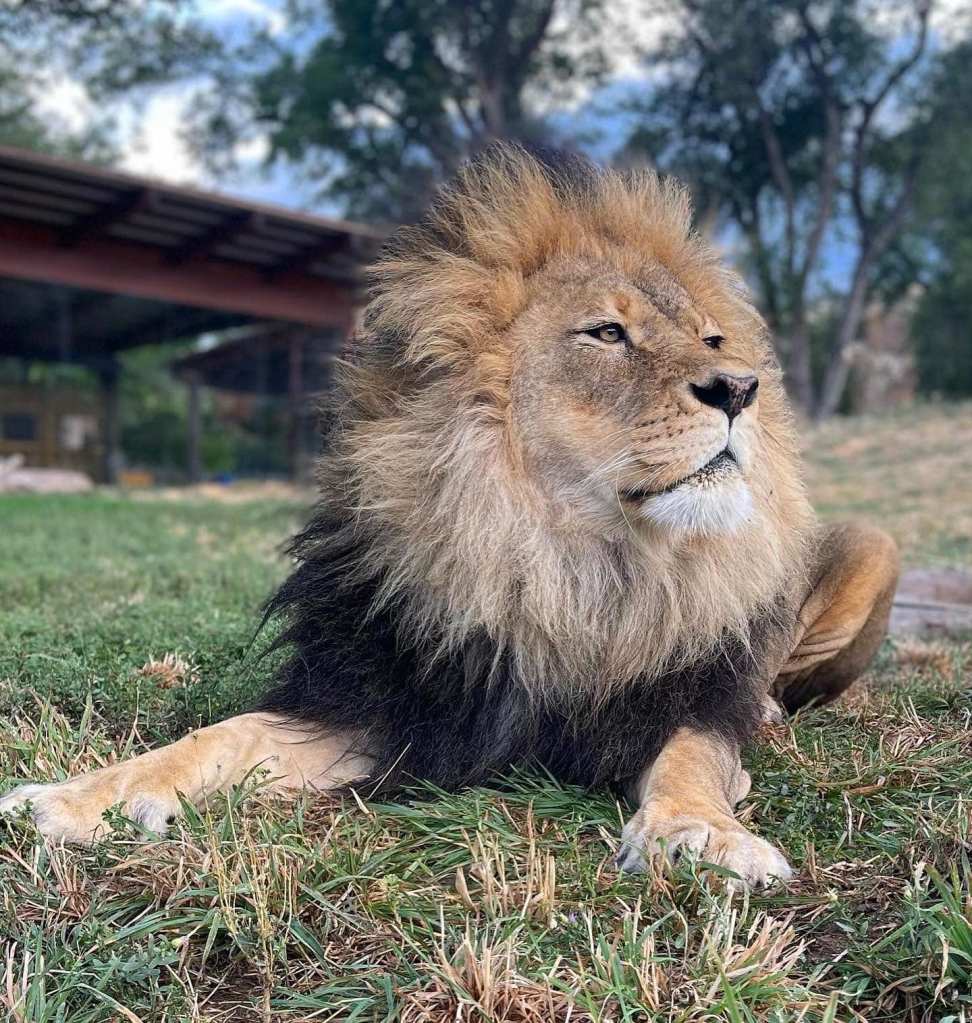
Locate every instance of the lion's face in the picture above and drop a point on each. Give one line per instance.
(633, 403)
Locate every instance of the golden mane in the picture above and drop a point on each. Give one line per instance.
(423, 466)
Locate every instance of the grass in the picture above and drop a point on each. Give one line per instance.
(908, 471)
(124, 621)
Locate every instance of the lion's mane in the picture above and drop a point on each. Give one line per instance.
(440, 608)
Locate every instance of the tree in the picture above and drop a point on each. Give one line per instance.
(937, 248)
(102, 48)
(375, 100)
(380, 100)
(793, 119)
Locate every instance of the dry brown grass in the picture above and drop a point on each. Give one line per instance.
(169, 671)
(911, 472)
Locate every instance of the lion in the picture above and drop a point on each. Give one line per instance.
(561, 523)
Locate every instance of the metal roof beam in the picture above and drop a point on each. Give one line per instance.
(303, 258)
(102, 217)
(104, 263)
(224, 230)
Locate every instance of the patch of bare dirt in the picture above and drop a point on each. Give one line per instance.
(933, 601)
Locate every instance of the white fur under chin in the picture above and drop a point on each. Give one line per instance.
(704, 509)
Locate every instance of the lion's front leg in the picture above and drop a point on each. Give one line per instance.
(686, 806)
(197, 766)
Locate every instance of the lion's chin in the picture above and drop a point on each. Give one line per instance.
(704, 509)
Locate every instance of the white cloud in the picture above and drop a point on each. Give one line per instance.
(153, 141)
(253, 150)
(951, 19)
(261, 11)
(65, 100)
(154, 145)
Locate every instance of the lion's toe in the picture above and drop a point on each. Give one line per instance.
(757, 863)
(641, 842)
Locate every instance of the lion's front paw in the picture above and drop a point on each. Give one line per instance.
(719, 839)
(73, 810)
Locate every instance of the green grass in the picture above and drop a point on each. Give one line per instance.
(496, 904)
(91, 587)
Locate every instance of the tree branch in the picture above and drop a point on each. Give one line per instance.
(872, 249)
(870, 107)
(826, 190)
(781, 176)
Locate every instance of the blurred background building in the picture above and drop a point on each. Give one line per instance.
(94, 264)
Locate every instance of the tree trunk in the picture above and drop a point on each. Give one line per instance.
(838, 367)
(797, 370)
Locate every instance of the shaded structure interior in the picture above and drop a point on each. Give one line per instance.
(93, 263)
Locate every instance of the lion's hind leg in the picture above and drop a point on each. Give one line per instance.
(199, 765)
(844, 619)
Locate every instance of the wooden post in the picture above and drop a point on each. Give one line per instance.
(193, 428)
(108, 374)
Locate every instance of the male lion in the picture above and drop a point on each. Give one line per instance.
(561, 523)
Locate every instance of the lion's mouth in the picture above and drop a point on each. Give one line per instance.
(719, 466)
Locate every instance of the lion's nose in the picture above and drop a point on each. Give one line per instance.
(727, 391)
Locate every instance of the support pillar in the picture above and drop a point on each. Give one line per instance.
(108, 375)
(295, 396)
(193, 428)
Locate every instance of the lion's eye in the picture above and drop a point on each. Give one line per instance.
(611, 333)
(713, 340)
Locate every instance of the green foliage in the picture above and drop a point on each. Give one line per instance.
(92, 51)
(155, 429)
(154, 417)
(940, 331)
(380, 101)
(153, 407)
(153, 412)
(29, 69)
(377, 101)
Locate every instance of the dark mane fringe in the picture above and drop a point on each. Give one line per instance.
(461, 719)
